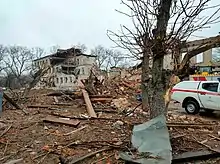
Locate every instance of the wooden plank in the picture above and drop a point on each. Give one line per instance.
(52, 119)
(106, 110)
(101, 99)
(63, 104)
(12, 102)
(88, 104)
(191, 125)
(198, 155)
(100, 96)
(39, 106)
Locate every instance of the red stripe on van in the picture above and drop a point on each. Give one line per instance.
(195, 91)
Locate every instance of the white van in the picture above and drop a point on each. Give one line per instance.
(196, 95)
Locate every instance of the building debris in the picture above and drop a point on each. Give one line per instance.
(51, 119)
(16, 161)
(11, 101)
(116, 112)
(198, 155)
(56, 99)
(88, 104)
(74, 131)
(6, 130)
(151, 142)
(87, 156)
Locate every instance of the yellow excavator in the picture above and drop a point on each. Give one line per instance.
(210, 72)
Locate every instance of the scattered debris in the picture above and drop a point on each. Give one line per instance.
(74, 131)
(121, 104)
(118, 124)
(6, 130)
(87, 156)
(56, 99)
(61, 121)
(198, 155)
(88, 104)
(16, 161)
(151, 143)
(12, 102)
(110, 103)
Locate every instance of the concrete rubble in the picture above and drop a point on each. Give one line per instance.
(58, 128)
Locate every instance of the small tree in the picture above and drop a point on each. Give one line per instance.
(160, 27)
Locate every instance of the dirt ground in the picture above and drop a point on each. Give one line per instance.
(28, 137)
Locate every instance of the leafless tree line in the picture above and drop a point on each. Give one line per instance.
(17, 68)
(107, 58)
(16, 64)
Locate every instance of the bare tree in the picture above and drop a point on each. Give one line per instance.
(159, 28)
(101, 56)
(82, 47)
(37, 52)
(2, 51)
(106, 58)
(17, 61)
(116, 58)
(54, 48)
(216, 56)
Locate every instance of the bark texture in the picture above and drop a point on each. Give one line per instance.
(158, 82)
(145, 81)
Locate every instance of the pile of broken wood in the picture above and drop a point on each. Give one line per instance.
(192, 137)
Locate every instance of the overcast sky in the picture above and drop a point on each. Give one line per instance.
(63, 22)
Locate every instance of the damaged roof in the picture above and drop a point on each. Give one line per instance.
(62, 54)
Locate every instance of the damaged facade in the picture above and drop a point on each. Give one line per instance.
(65, 68)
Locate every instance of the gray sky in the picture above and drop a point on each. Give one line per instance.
(63, 22)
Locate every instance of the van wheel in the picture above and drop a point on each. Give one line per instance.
(209, 111)
(192, 107)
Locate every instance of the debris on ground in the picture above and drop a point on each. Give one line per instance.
(74, 126)
(151, 143)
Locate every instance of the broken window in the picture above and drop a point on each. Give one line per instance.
(83, 72)
(77, 61)
(57, 81)
(61, 80)
(66, 79)
(77, 72)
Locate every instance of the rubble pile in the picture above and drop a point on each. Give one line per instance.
(57, 126)
(119, 87)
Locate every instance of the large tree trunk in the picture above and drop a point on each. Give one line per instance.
(145, 81)
(157, 90)
(158, 83)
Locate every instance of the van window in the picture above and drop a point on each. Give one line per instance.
(213, 87)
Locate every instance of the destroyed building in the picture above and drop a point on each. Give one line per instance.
(65, 68)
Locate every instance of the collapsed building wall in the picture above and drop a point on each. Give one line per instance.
(67, 67)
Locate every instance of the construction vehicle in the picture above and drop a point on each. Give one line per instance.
(206, 73)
